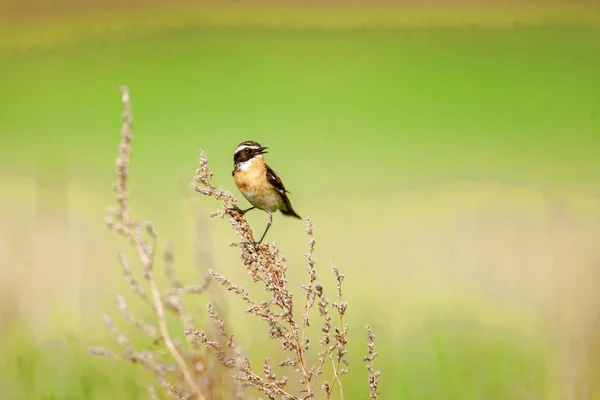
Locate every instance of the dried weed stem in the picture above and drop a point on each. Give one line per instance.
(370, 359)
(122, 221)
(265, 265)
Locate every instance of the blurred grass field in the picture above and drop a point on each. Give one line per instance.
(452, 173)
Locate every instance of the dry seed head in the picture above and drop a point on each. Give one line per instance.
(370, 358)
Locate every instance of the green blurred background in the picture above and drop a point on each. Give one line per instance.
(447, 153)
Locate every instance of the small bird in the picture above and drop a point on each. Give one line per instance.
(259, 184)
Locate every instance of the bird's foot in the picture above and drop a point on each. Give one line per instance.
(237, 210)
(233, 210)
(255, 245)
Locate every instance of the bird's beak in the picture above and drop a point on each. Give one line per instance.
(262, 150)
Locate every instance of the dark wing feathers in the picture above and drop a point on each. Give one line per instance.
(275, 180)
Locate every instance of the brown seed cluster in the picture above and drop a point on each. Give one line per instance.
(209, 364)
(370, 359)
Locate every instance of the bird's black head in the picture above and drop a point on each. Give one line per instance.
(248, 150)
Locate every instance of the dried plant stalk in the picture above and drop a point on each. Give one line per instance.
(188, 377)
(122, 221)
(370, 359)
(267, 266)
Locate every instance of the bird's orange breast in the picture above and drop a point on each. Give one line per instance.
(252, 183)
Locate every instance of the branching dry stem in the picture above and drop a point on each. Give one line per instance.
(192, 375)
(132, 230)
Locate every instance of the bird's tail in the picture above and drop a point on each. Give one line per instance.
(288, 210)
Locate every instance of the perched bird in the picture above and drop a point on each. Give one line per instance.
(259, 184)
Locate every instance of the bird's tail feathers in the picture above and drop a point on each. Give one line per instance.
(288, 210)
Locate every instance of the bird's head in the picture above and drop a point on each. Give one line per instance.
(248, 150)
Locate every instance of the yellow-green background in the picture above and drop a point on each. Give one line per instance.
(447, 154)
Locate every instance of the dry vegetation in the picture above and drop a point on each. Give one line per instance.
(187, 370)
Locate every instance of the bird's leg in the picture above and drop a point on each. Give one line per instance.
(239, 210)
(269, 222)
(246, 210)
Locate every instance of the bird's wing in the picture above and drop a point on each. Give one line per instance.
(275, 180)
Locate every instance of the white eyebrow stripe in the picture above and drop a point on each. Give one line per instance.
(242, 147)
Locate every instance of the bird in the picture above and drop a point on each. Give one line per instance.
(259, 184)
